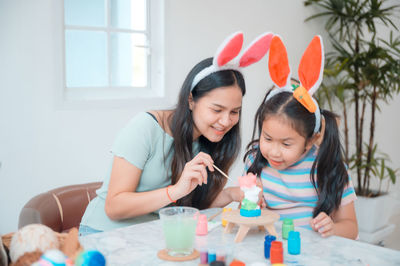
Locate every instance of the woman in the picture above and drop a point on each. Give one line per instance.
(167, 156)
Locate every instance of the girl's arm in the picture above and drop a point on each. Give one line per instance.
(346, 221)
(343, 222)
(123, 202)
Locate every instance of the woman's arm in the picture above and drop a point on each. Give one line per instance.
(123, 202)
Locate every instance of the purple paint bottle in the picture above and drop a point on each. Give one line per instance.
(203, 256)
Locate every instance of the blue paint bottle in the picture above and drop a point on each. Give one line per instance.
(294, 244)
(267, 245)
(212, 255)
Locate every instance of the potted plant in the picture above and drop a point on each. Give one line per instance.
(361, 73)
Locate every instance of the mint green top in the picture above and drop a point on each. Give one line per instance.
(143, 143)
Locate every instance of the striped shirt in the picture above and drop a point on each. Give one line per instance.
(291, 194)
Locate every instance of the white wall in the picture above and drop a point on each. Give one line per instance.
(43, 146)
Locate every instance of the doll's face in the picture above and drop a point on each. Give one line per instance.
(216, 113)
(281, 144)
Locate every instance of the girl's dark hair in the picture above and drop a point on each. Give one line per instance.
(223, 152)
(332, 176)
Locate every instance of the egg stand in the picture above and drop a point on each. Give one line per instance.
(264, 222)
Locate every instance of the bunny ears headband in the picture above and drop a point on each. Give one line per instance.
(226, 57)
(310, 72)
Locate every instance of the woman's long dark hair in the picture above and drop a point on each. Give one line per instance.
(332, 176)
(223, 152)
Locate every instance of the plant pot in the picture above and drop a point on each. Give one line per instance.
(373, 214)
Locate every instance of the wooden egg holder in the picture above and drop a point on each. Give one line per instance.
(264, 222)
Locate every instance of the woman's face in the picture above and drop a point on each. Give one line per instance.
(281, 144)
(216, 112)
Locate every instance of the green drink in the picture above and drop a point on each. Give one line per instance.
(179, 226)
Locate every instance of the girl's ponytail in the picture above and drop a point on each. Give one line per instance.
(332, 176)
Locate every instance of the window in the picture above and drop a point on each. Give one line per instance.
(112, 49)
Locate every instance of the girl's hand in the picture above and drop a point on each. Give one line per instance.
(323, 224)
(261, 200)
(235, 194)
(194, 173)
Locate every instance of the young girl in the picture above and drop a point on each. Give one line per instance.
(298, 154)
(167, 156)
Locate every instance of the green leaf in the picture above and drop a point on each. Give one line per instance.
(392, 175)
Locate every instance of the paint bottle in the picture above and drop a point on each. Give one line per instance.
(202, 228)
(294, 243)
(217, 263)
(237, 263)
(212, 256)
(221, 254)
(267, 245)
(287, 226)
(224, 222)
(276, 253)
(203, 255)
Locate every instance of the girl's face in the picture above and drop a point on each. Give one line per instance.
(281, 144)
(216, 113)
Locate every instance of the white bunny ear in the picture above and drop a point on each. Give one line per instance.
(229, 49)
(311, 65)
(256, 50)
(227, 54)
(278, 63)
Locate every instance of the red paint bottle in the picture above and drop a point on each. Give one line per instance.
(276, 252)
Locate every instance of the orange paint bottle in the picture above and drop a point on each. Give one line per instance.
(276, 252)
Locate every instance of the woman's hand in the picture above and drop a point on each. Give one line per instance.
(194, 174)
(323, 224)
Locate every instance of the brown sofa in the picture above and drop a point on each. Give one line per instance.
(60, 209)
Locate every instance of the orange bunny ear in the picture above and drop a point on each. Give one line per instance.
(256, 50)
(229, 49)
(311, 66)
(278, 63)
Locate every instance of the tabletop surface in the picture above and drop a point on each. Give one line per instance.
(139, 244)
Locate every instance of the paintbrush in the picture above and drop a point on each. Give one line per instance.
(215, 215)
(219, 170)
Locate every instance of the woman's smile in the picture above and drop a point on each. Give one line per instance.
(219, 130)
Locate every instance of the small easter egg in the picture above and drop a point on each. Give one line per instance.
(53, 257)
(90, 258)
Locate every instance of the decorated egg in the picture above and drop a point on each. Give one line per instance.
(33, 237)
(90, 258)
(53, 257)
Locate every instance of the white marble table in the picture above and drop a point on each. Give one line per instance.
(139, 244)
